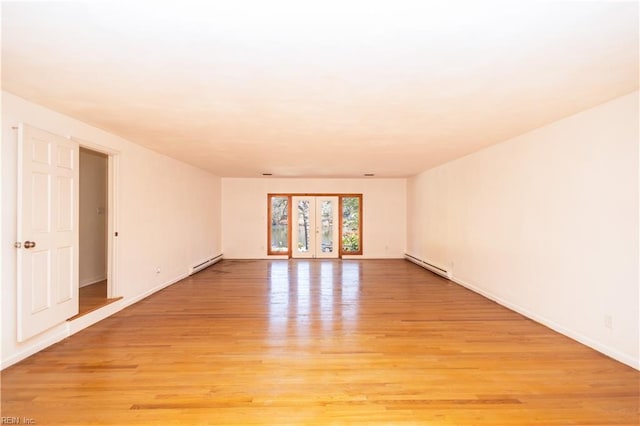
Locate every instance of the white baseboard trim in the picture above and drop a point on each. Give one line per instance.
(85, 321)
(96, 316)
(93, 280)
(344, 257)
(155, 289)
(31, 350)
(604, 349)
(69, 328)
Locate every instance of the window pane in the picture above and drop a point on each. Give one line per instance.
(327, 226)
(279, 224)
(304, 226)
(351, 224)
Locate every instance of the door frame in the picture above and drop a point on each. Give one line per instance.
(113, 172)
(290, 196)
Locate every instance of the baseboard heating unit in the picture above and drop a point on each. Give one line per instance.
(203, 265)
(431, 267)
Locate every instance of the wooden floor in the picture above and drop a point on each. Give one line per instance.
(92, 297)
(319, 342)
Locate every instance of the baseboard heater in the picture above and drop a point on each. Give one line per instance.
(431, 267)
(199, 267)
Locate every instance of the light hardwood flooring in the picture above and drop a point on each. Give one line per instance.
(320, 342)
(92, 297)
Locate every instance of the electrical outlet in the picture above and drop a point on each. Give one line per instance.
(608, 322)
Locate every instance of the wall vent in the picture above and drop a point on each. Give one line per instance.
(203, 265)
(430, 266)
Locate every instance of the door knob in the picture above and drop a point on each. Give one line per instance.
(29, 244)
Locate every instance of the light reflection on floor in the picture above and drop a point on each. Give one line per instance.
(303, 295)
(350, 293)
(313, 297)
(326, 296)
(278, 297)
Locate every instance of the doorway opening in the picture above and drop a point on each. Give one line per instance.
(95, 220)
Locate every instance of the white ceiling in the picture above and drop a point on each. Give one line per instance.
(319, 89)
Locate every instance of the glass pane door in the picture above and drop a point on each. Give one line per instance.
(327, 226)
(315, 227)
(303, 226)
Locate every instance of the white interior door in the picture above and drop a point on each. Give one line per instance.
(315, 227)
(48, 178)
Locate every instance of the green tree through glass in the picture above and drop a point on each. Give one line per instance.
(350, 224)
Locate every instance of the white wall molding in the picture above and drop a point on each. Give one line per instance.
(72, 327)
(545, 223)
(61, 332)
(579, 337)
(155, 289)
(94, 317)
(92, 280)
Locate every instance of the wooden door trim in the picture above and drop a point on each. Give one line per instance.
(290, 195)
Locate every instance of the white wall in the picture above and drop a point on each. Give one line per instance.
(93, 215)
(244, 212)
(546, 223)
(168, 216)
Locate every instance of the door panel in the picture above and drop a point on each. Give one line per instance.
(40, 207)
(40, 279)
(66, 267)
(65, 204)
(48, 178)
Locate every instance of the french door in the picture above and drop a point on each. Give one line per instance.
(315, 227)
